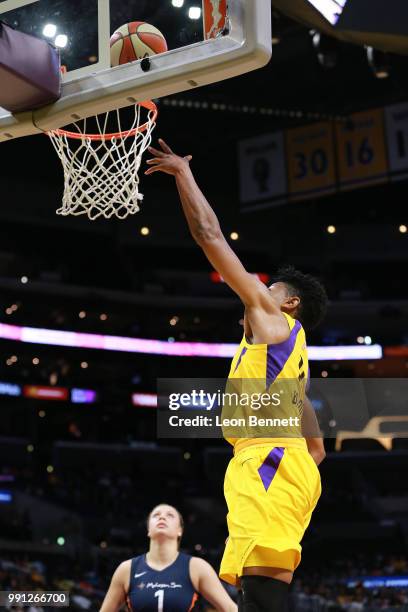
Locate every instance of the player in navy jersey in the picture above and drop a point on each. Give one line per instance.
(165, 579)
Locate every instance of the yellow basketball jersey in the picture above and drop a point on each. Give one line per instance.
(268, 363)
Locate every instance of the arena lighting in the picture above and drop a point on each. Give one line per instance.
(50, 30)
(194, 12)
(78, 396)
(10, 389)
(55, 337)
(378, 62)
(330, 9)
(375, 582)
(148, 400)
(46, 393)
(5, 497)
(326, 48)
(177, 3)
(61, 41)
(83, 396)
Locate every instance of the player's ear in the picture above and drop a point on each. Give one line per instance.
(292, 302)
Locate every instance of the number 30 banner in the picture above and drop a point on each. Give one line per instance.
(311, 161)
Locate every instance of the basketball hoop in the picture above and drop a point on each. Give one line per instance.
(101, 168)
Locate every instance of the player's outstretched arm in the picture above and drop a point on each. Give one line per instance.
(311, 431)
(205, 228)
(210, 587)
(116, 595)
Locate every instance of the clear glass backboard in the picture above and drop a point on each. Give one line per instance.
(207, 41)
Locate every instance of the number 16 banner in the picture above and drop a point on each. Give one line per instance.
(361, 150)
(311, 161)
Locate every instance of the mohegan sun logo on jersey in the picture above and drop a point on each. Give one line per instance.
(163, 585)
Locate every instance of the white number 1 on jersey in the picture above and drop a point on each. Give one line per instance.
(160, 595)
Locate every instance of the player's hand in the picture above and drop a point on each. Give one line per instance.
(166, 161)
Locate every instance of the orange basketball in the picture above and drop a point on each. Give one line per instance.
(134, 41)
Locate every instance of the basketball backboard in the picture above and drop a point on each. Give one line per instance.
(208, 41)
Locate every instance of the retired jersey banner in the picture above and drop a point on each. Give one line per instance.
(361, 150)
(262, 171)
(396, 118)
(311, 161)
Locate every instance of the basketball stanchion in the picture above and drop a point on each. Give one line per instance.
(101, 168)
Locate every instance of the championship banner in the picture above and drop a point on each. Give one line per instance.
(396, 118)
(311, 161)
(262, 171)
(361, 150)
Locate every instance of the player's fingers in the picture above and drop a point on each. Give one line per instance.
(188, 158)
(154, 160)
(153, 169)
(165, 146)
(156, 152)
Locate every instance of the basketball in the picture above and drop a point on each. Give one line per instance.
(134, 41)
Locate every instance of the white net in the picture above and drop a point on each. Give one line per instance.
(101, 170)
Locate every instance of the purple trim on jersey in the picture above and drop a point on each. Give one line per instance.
(270, 466)
(244, 350)
(278, 354)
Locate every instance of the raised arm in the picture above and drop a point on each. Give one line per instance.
(206, 231)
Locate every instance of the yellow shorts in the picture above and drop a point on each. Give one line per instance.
(271, 493)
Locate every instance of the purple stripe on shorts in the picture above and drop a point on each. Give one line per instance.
(270, 466)
(278, 354)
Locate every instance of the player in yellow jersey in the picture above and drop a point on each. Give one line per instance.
(272, 483)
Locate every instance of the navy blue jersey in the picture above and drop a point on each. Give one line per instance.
(167, 590)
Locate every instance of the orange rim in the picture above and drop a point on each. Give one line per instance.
(148, 104)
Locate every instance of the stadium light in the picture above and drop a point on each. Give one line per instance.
(378, 62)
(326, 48)
(177, 3)
(194, 12)
(61, 41)
(330, 9)
(50, 30)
